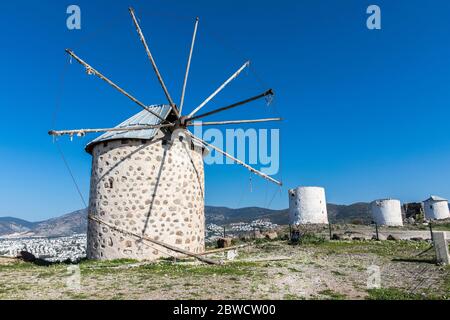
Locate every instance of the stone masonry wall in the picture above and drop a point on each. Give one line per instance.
(146, 187)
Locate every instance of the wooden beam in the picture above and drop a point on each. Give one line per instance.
(263, 259)
(91, 70)
(82, 132)
(257, 172)
(212, 251)
(183, 91)
(234, 76)
(234, 105)
(155, 67)
(213, 123)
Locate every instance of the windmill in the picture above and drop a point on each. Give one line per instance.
(147, 183)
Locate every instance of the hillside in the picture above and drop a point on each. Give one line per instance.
(357, 212)
(68, 224)
(14, 225)
(76, 222)
(224, 215)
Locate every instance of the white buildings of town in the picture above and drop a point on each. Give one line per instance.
(214, 231)
(51, 249)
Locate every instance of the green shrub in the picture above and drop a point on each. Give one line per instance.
(396, 294)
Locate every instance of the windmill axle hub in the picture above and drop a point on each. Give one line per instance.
(182, 122)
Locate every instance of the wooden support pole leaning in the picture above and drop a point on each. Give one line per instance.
(162, 244)
(155, 67)
(264, 259)
(212, 123)
(188, 66)
(330, 230)
(234, 76)
(431, 230)
(91, 70)
(82, 132)
(234, 105)
(257, 172)
(212, 251)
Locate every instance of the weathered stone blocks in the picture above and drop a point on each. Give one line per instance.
(151, 198)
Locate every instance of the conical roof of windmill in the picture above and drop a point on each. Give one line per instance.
(143, 118)
(435, 198)
(140, 119)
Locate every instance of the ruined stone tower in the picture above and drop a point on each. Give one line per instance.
(146, 183)
(436, 208)
(387, 212)
(307, 205)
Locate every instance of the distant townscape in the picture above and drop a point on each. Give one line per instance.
(72, 248)
(234, 230)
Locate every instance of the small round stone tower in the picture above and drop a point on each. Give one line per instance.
(436, 208)
(146, 183)
(387, 212)
(307, 205)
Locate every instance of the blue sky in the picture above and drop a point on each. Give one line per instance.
(367, 111)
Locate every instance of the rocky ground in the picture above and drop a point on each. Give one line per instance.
(315, 269)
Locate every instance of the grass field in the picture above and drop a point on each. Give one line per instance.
(316, 269)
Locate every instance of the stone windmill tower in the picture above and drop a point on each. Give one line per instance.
(147, 182)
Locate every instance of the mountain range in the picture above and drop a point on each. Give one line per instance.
(76, 222)
(68, 224)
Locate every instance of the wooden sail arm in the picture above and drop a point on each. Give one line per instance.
(152, 60)
(212, 123)
(82, 132)
(251, 169)
(234, 76)
(234, 105)
(91, 70)
(183, 91)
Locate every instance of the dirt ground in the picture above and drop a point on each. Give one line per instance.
(315, 270)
